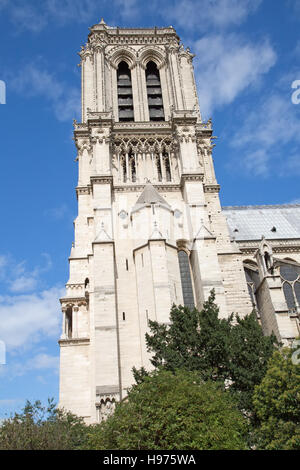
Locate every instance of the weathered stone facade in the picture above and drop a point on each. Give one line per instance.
(150, 230)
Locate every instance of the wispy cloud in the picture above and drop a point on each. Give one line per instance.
(65, 11)
(58, 213)
(206, 14)
(35, 80)
(35, 16)
(267, 130)
(226, 65)
(27, 17)
(24, 319)
(18, 278)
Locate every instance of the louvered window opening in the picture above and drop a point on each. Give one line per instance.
(154, 94)
(125, 97)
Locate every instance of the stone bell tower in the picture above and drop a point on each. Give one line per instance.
(149, 230)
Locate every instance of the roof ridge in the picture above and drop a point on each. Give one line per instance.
(263, 206)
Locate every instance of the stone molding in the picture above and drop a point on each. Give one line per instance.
(211, 188)
(191, 177)
(74, 341)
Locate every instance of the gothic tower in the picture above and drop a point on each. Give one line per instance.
(150, 231)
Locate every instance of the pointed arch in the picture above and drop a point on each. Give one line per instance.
(126, 54)
(152, 54)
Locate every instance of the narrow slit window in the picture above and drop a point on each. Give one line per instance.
(167, 167)
(154, 93)
(124, 316)
(125, 97)
(159, 169)
(69, 323)
(186, 280)
(133, 168)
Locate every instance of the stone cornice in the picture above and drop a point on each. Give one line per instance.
(104, 35)
(73, 300)
(184, 117)
(139, 187)
(278, 246)
(74, 341)
(211, 188)
(191, 177)
(142, 127)
(82, 190)
(101, 179)
(154, 240)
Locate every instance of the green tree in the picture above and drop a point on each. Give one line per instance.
(277, 404)
(249, 353)
(232, 350)
(173, 410)
(40, 427)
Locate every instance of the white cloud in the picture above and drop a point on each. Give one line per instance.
(79, 11)
(23, 284)
(35, 80)
(20, 279)
(129, 9)
(262, 139)
(43, 361)
(3, 3)
(58, 213)
(205, 14)
(35, 16)
(226, 65)
(8, 402)
(24, 319)
(27, 17)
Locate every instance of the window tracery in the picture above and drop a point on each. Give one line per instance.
(290, 278)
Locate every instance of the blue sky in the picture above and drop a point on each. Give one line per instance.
(248, 54)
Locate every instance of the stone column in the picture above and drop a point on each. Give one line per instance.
(64, 330)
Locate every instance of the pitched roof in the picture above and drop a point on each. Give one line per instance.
(150, 195)
(275, 222)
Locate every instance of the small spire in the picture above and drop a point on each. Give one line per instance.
(102, 21)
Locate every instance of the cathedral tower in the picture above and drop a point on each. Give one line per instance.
(150, 231)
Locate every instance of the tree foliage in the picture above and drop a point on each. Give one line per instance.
(232, 349)
(173, 411)
(40, 427)
(277, 404)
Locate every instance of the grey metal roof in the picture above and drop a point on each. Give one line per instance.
(251, 222)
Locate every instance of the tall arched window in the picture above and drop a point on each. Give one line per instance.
(69, 322)
(290, 277)
(167, 167)
(159, 168)
(253, 282)
(125, 98)
(132, 168)
(186, 280)
(155, 102)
